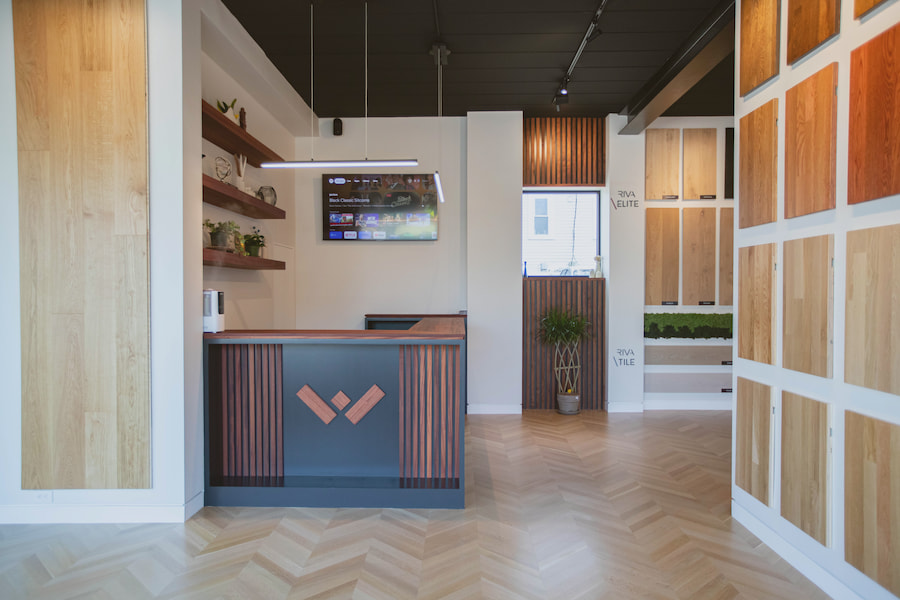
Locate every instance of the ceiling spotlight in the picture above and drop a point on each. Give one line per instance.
(563, 91)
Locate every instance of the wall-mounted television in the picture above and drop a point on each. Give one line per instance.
(372, 208)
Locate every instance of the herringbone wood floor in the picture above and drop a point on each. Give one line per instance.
(591, 506)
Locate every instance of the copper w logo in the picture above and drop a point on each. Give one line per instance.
(340, 400)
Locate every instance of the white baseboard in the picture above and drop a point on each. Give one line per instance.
(687, 401)
(193, 506)
(494, 409)
(625, 407)
(79, 513)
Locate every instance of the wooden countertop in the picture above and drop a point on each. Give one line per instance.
(430, 328)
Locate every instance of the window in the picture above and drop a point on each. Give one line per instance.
(560, 232)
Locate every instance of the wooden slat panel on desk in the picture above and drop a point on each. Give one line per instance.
(661, 162)
(808, 305)
(700, 159)
(698, 252)
(804, 464)
(662, 256)
(756, 303)
(872, 498)
(810, 146)
(726, 256)
(758, 166)
(752, 431)
(874, 150)
(810, 22)
(759, 43)
(872, 344)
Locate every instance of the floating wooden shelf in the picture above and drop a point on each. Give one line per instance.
(220, 258)
(229, 197)
(219, 130)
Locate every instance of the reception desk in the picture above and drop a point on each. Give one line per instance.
(337, 417)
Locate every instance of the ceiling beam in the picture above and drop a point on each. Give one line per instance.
(708, 46)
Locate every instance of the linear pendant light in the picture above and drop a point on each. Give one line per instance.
(339, 164)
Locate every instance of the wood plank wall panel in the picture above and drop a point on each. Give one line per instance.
(872, 498)
(804, 464)
(700, 160)
(810, 22)
(698, 256)
(729, 163)
(564, 151)
(756, 303)
(726, 256)
(758, 166)
(810, 144)
(661, 267)
(759, 43)
(661, 162)
(686, 355)
(752, 431)
(81, 113)
(872, 342)
(246, 443)
(874, 151)
(861, 7)
(582, 295)
(808, 305)
(430, 416)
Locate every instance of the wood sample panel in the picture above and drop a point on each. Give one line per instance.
(661, 162)
(700, 164)
(861, 7)
(726, 256)
(804, 464)
(756, 303)
(759, 43)
(874, 149)
(81, 110)
(810, 144)
(698, 256)
(729, 163)
(872, 498)
(687, 355)
(758, 164)
(564, 151)
(872, 349)
(661, 258)
(808, 305)
(753, 424)
(810, 22)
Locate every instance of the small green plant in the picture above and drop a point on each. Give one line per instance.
(564, 331)
(225, 234)
(255, 238)
(222, 106)
(688, 325)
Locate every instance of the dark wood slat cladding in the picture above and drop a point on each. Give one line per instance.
(430, 427)
(245, 414)
(564, 151)
(585, 296)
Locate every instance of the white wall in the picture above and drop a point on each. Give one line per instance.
(494, 265)
(338, 283)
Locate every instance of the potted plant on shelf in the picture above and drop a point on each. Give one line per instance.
(564, 331)
(223, 235)
(254, 241)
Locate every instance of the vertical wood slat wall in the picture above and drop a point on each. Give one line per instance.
(430, 420)
(582, 295)
(81, 111)
(246, 417)
(564, 151)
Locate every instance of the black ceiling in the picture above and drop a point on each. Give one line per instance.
(505, 54)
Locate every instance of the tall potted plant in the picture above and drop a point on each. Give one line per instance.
(564, 331)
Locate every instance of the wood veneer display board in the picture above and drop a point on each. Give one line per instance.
(753, 425)
(698, 256)
(661, 257)
(661, 163)
(726, 256)
(758, 166)
(804, 464)
(872, 498)
(810, 22)
(81, 113)
(759, 43)
(756, 302)
(807, 342)
(700, 164)
(874, 151)
(810, 144)
(872, 338)
(861, 7)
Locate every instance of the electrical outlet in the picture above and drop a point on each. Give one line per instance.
(43, 497)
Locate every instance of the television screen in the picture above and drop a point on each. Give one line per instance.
(379, 207)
